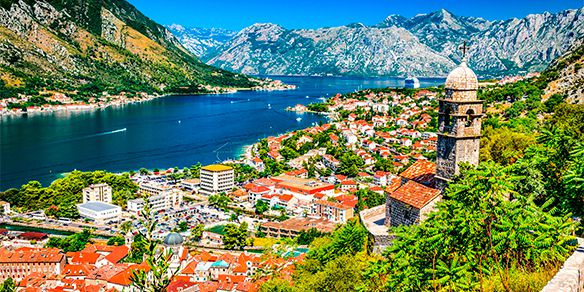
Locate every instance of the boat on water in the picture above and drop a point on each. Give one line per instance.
(298, 119)
(412, 82)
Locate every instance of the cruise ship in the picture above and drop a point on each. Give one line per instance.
(412, 82)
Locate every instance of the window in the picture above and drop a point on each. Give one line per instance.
(447, 118)
(469, 118)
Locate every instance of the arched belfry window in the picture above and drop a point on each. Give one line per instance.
(447, 117)
(469, 117)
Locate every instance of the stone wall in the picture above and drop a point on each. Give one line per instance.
(429, 208)
(402, 213)
(372, 219)
(570, 278)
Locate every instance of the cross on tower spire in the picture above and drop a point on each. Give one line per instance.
(463, 48)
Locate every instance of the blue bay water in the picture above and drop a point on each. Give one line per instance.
(165, 132)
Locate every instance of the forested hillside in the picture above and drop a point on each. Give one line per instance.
(94, 46)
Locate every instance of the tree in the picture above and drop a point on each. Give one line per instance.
(384, 165)
(504, 145)
(183, 226)
(276, 285)
(482, 229)
(125, 227)
(116, 240)
(8, 285)
(220, 201)
(157, 279)
(197, 232)
(306, 237)
(75, 242)
(346, 240)
(235, 237)
(261, 206)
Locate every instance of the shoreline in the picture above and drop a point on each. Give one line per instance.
(83, 107)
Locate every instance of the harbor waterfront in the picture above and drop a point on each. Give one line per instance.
(164, 132)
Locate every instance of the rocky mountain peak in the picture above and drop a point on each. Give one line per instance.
(496, 47)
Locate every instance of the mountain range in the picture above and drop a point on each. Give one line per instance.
(201, 41)
(96, 45)
(424, 45)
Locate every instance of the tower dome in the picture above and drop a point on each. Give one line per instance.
(462, 78)
(173, 238)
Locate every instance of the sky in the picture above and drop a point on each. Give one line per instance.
(237, 14)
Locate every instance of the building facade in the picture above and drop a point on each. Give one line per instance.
(333, 211)
(217, 179)
(97, 192)
(20, 263)
(99, 212)
(168, 198)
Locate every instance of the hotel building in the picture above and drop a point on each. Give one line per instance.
(217, 179)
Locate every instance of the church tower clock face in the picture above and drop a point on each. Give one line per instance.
(459, 123)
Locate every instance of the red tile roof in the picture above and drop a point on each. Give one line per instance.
(117, 254)
(348, 183)
(78, 270)
(422, 171)
(31, 255)
(246, 287)
(285, 197)
(333, 204)
(124, 278)
(415, 194)
(179, 285)
(99, 248)
(83, 257)
(190, 268)
(253, 188)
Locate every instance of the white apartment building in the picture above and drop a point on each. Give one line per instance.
(216, 179)
(4, 208)
(152, 189)
(97, 192)
(99, 212)
(170, 198)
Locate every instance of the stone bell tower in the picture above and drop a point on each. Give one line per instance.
(459, 123)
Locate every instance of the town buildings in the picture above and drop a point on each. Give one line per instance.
(102, 268)
(216, 179)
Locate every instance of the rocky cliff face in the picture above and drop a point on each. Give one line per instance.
(97, 45)
(426, 45)
(201, 41)
(566, 75)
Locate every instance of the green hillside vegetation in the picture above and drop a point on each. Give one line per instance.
(60, 198)
(74, 54)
